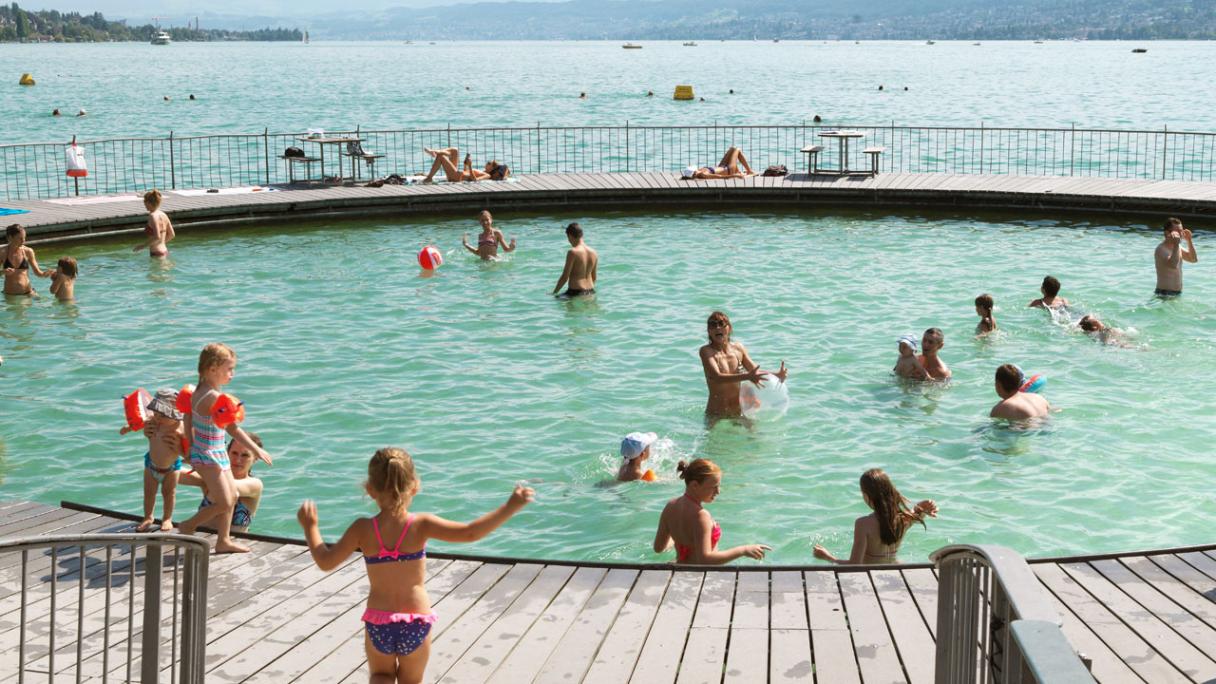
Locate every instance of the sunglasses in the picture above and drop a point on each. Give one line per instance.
(718, 324)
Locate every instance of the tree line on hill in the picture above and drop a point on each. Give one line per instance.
(18, 25)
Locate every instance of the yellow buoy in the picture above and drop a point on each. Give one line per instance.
(683, 92)
(26, 79)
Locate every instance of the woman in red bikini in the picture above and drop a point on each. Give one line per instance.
(690, 528)
(159, 230)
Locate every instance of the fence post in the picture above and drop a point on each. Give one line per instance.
(981, 147)
(538, 147)
(1072, 147)
(449, 134)
(1165, 141)
(266, 151)
(626, 145)
(149, 662)
(172, 164)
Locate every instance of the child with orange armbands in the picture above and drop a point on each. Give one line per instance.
(163, 461)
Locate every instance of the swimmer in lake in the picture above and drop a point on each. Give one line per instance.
(983, 309)
(581, 264)
(158, 232)
(908, 365)
(490, 239)
(1101, 332)
(1015, 404)
(1051, 298)
(1169, 256)
(932, 342)
(19, 262)
(727, 366)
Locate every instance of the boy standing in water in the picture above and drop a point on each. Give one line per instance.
(581, 262)
(727, 365)
(932, 342)
(1169, 256)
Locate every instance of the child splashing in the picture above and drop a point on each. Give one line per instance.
(208, 453)
(398, 618)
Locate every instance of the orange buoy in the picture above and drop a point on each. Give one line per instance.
(135, 406)
(649, 476)
(227, 410)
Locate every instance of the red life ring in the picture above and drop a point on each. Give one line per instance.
(135, 406)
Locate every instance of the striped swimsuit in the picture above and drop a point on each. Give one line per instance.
(207, 447)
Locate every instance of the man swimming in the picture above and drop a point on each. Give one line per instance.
(1169, 256)
(581, 262)
(727, 365)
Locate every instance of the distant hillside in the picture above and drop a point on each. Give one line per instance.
(790, 19)
(18, 25)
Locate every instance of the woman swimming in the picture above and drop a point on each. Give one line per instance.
(18, 261)
(686, 524)
(877, 536)
(489, 240)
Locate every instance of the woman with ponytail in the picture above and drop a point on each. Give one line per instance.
(877, 536)
(690, 528)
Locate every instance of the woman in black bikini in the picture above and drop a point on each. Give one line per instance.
(727, 168)
(18, 262)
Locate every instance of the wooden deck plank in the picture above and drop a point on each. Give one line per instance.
(535, 648)
(705, 652)
(831, 641)
(1105, 665)
(872, 642)
(912, 638)
(923, 584)
(578, 648)
(1125, 643)
(747, 658)
(659, 660)
(1202, 562)
(488, 652)
(1186, 574)
(1190, 608)
(790, 635)
(1150, 627)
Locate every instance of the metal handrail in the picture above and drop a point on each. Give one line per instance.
(983, 593)
(37, 170)
(93, 564)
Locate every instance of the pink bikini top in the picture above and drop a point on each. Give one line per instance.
(386, 556)
(683, 552)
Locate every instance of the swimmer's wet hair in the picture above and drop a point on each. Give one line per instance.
(1171, 223)
(390, 476)
(152, 199)
(574, 230)
(15, 230)
(1089, 323)
(67, 266)
(1051, 286)
(698, 470)
(985, 302)
(213, 355)
(936, 334)
(1009, 377)
(890, 507)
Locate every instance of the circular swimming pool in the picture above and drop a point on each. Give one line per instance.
(486, 379)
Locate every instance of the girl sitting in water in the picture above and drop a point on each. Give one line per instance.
(690, 528)
(877, 536)
(18, 261)
(398, 618)
(490, 239)
(159, 231)
(983, 309)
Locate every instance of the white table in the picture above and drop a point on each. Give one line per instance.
(843, 138)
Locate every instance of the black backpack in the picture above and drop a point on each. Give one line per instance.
(293, 152)
(778, 170)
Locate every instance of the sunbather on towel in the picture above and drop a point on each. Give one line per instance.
(727, 168)
(445, 159)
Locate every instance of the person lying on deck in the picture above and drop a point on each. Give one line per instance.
(727, 168)
(445, 159)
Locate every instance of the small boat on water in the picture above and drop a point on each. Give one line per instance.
(631, 46)
(1140, 50)
(930, 42)
(161, 38)
(691, 43)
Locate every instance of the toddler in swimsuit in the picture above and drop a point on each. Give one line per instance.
(209, 453)
(398, 618)
(63, 281)
(163, 461)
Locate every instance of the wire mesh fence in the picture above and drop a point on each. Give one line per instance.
(37, 171)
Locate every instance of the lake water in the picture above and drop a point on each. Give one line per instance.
(244, 88)
(488, 380)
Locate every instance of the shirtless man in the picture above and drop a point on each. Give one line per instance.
(1015, 405)
(726, 366)
(159, 231)
(581, 262)
(932, 342)
(1169, 256)
(1051, 298)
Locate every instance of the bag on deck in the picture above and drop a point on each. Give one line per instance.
(778, 170)
(293, 152)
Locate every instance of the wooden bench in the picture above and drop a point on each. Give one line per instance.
(875, 153)
(291, 166)
(812, 158)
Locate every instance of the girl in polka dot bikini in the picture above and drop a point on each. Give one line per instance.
(398, 616)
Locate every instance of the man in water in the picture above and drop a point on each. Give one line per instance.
(726, 366)
(581, 262)
(1169, 257)
(931, 343)
(1014, 404)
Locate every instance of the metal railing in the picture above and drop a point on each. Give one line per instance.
(996, 623)
(94, 579)
(175, 162)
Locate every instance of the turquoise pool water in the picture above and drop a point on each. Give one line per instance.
(487, 380)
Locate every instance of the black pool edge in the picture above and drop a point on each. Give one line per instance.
(583, 200)
(510, 560)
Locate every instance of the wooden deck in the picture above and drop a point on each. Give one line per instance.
(274, 617)
(577, 192)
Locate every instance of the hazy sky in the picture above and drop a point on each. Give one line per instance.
(179, 10)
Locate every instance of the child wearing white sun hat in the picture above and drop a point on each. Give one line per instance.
(635, 449)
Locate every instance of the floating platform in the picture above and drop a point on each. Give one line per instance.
(272, 616)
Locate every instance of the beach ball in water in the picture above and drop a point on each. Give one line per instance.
(430, 258)
(764, 403)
